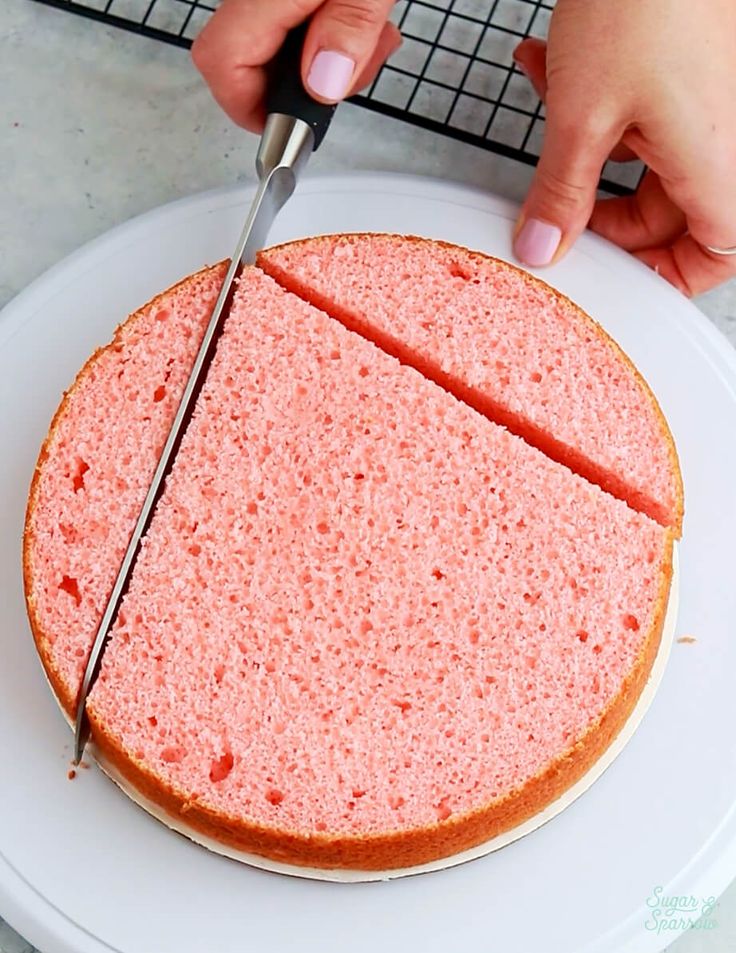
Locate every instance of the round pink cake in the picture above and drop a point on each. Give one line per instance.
(408, 575)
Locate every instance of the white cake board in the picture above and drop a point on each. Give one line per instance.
(83, 870)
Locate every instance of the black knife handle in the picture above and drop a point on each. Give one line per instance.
(286, 93)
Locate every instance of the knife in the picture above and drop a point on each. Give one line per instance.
(295, 127)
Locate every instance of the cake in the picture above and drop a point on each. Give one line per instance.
(369, 627)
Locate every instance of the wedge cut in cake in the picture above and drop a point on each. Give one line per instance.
(368, 627)
(504, 342)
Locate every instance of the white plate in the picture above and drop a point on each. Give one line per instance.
(82, 869)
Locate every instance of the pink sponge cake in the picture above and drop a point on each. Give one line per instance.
(368, 628)
(505, 343)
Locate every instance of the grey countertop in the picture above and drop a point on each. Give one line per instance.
(98, 125)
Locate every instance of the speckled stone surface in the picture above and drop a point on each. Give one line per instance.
(98, 125)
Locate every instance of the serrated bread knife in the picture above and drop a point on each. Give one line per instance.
(295, 127)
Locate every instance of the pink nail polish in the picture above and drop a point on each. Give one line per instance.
(331, 75)
(537, 242)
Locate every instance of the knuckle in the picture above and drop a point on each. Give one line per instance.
(593, 125)
(580, 122)
(358, 15)
(560, 190)
(585, 130)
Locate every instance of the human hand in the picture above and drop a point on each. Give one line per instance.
(655, 80)
(346, 44)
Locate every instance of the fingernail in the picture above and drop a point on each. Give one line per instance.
(331, 74)
(537, 242)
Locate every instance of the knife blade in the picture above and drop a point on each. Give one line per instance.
(295, 127)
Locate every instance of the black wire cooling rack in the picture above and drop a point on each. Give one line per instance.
(454, 73)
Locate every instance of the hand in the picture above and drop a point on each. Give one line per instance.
(654, 79)
(347, 43)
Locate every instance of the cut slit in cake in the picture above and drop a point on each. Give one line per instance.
(503, 342)
(368, 628)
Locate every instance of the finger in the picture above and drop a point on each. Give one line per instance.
(697, 178)
(563, 192)
(688, 266)
(647, 219)
(341, 43)
(709, 201)
(388, 43)
(530, 57)
(696, 170)
(235, 45)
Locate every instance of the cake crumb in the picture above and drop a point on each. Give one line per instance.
(71, 774)
(687, 639)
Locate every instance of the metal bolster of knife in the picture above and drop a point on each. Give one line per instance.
(285, 148)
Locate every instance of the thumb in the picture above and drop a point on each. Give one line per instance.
(341, 45)
(563, 192)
